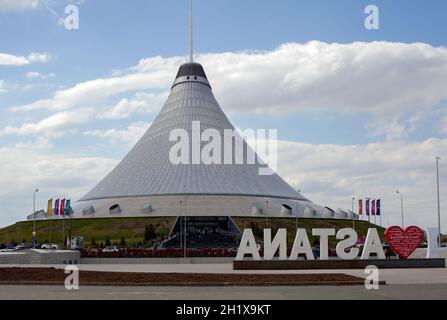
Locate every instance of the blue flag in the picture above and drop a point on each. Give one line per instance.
(67, 209)
(378, 207)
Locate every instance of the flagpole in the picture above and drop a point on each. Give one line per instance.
(181, 225)
(51, 228)
(191, 55)
(353, 214)
(63, 225)
(50, 215)
(439, 203)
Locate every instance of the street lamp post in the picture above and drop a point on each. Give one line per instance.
(439, 203)
(181, 225)
(34, 217)
(267, 214)
(185, 230)
(353, 214)
(401, 207)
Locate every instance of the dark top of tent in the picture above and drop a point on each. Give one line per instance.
(191, 69)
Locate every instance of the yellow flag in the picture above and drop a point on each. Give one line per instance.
(50, 208)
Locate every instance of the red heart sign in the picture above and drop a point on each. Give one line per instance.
(404, 242)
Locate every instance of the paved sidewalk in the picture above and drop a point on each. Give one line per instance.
(387, 292)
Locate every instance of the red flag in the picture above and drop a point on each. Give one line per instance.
(62, 207)
(373, 207)
(360, 207)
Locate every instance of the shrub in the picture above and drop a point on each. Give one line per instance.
(149, 232)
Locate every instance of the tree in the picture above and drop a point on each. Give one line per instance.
(257, 231)
(122, 242)
(93, 242)
(149, 232)
(107, 243)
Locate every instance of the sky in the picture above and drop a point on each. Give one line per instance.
(359, 113)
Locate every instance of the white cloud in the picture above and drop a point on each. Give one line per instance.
(130, 135)
(12, 60)
(332, 174)
(19, 5)
(140, 103)
(60, 123)
(24, 168)
(38, 75)
(54, 126)
(97, 91)
(444, 124)
(2, 86)
(327, 174)
(398, 84)
(389, 81)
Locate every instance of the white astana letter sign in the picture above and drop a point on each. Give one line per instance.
(346, 247)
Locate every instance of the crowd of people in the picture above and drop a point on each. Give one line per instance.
(158, 253)
(201, 237)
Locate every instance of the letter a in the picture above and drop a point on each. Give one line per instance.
(248, 246)
(302, 245)
(372, 245)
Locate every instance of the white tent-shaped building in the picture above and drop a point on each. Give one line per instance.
(147, 183)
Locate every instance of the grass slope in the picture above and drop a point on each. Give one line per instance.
(132, 229)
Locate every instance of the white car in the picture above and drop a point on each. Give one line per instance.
(49, 246)
(9, 249)
(110, 249)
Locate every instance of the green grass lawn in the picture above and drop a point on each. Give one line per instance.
(132, 229)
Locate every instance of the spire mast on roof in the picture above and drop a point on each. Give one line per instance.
(191, 59)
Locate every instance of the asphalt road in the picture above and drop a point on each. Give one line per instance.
(401, 291)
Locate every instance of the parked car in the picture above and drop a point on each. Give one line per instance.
(110, 249)
(24, 246)
(49, 246)
(423, 245)
(9, 249)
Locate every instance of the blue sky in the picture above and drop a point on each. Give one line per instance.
(115, 38)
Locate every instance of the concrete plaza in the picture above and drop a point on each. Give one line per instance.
(387, 292)
(401, 284)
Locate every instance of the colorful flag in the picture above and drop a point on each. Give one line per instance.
(67, 207)
(56, 208)
(62, 207)
(360, 207)
(378, 207)
(50, 208)
(367, 207)
(373, 207)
